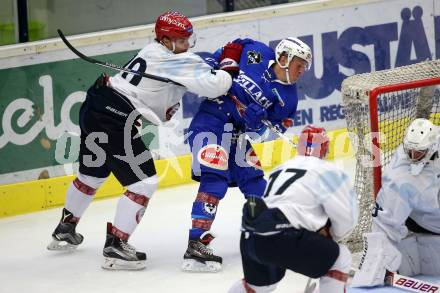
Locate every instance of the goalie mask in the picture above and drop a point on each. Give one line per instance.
(313, 141)
(420, 143)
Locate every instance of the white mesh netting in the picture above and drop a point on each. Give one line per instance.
(395, 110)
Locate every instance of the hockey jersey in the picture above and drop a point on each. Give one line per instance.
(187, 69)
(404, 195)
(309, 191)
(257, 83)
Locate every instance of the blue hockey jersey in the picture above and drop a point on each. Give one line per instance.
(257, 83)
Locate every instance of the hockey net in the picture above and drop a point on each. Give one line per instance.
(379, 106)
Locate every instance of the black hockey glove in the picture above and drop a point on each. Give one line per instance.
(257, 217)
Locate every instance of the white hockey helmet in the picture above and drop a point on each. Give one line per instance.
(292, 47)
(420, 143)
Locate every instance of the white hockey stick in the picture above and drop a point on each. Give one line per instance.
(267, 123)
(410, 284)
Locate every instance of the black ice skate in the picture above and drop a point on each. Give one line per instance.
(119, 255)
(199, 257)
(65, 237)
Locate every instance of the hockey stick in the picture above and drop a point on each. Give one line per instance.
(267, 123)
(410, 284)
(310, 286)
(112, 66)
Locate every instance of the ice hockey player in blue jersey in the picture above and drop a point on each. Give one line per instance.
(308, 206)
(263, 88)
(405, 233)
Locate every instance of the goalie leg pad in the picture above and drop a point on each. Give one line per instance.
(429, 250)
(410, 265)
(378, 256)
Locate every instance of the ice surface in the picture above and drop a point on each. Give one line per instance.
(26, 265)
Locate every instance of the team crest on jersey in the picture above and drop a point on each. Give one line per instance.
(252, 159)
(253, 57)
(213, 156)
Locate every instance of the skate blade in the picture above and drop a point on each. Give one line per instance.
(191, 265)
(61, 246)
(119, 264)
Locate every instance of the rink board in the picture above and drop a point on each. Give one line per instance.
(38, 195)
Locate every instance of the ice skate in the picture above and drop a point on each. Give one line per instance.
(199, 257)
(119, 255)
(65, 237)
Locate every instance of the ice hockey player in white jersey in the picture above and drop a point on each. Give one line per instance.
(309, 204)
(405, 235)
(109, 140)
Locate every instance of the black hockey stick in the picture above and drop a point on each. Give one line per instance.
(113, 66)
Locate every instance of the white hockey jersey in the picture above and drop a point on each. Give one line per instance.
(187, 69)
(404, 195)
(309, 191)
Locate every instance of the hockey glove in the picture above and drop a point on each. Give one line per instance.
(253, 115)
(230, 58)
(257, 217)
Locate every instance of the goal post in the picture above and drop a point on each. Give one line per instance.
(378, 107)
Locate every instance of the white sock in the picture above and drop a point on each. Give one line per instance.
(129, 211)
(80, 193)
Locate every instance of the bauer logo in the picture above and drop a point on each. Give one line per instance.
(213, 156)
(417, 286)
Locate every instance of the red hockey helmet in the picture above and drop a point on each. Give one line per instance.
(313, 141)
(173, 24)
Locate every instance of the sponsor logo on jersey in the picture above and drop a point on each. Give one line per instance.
(213, 156)
(171, 111)
(253, 57)
(253, 90)
(252, 159)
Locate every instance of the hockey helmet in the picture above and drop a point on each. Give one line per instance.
(292, 47)
(420, 141)
(173, 24)
(313, 141)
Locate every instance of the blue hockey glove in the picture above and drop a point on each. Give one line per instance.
(253, 115)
